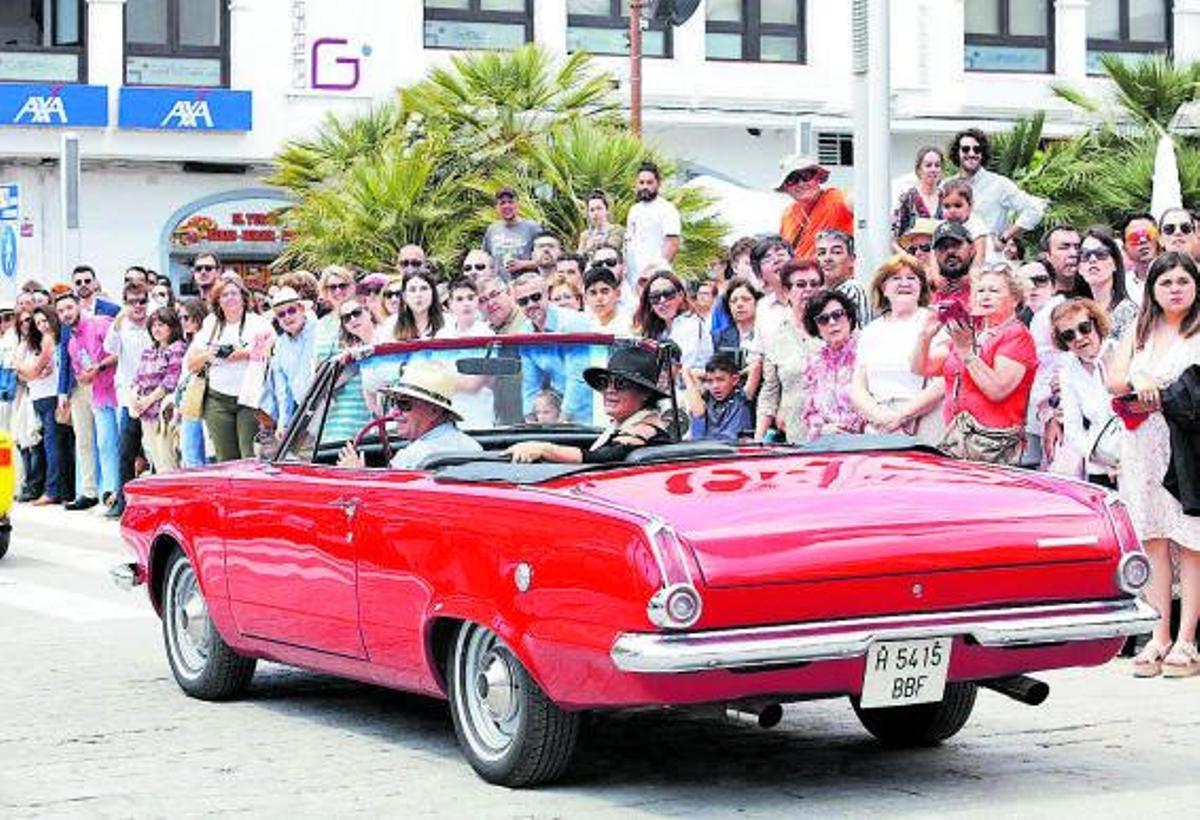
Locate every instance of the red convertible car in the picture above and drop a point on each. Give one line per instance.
(694, 573)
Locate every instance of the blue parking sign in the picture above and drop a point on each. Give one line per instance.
(8, 251)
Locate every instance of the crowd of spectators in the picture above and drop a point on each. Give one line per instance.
(1055, 359)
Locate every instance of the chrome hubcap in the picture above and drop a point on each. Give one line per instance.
(494, 686)
(189, 627)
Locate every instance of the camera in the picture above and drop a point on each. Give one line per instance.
(224, 351)
(951, 310)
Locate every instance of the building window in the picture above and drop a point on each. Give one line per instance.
(1130, 28)
(478, 24)
(177, 42)
(602, 27)
(42, 40)
(1009, 35)
(768, 31)
(835, 149)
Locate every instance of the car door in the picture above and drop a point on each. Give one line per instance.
(289, 556)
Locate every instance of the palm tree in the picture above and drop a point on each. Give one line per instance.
(424, 168)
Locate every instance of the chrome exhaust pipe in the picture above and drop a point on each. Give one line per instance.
(1023, 688)
(762, 715)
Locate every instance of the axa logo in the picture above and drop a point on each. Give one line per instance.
(42, 111)
(188, 114)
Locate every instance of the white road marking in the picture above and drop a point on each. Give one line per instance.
(70, 606)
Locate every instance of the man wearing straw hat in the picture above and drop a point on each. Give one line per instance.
(421, 405)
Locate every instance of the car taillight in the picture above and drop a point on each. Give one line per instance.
(1118, 517)
(1133, 570)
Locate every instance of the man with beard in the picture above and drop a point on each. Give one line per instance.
(87, 290)
(815, 208)
(559, 368)
(652, 235)
(205, 268)
(955, 253)
(996, 196)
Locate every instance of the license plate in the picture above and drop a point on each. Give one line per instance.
(902, 673)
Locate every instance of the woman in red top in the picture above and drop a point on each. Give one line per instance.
(989, 365)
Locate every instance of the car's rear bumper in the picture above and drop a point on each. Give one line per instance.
(791, 644)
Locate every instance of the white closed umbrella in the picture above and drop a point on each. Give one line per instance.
(1165, 193)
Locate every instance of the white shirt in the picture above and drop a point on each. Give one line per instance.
(450, 330)
(445, 438)
(649, 224)
(690, 332)
(47, 385)
(884, 352)
(769, 314)
(1050, 359)
(127, 342)
(225, 376)
(997, 196)
(1135, 288)
(621, 323)
(1084, 395)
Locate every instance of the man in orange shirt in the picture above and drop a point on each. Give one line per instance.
(816, 209)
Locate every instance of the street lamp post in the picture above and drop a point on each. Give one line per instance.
(635, 66)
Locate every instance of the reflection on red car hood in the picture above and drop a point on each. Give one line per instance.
(808, 518)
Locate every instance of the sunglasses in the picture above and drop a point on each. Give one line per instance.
(474, 266)
(831, 317)
(605, 381)
(354, 314)
(807, 175)
(402, 404)
(410, 263)
(531, 299)
(1141, 235)
(1040, 281)
(970, 149)
(393, 294)
(658, 296)
(1084, 328)
(203, 267)
(608, 263)
(1184, 228)
(370, 290)
(1099, 254)
(79, 283)
(136, 302)
(290, 310)
(337, 287)
(920, 247)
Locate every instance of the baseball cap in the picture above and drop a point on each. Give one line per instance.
(950, 230)
(506, 191)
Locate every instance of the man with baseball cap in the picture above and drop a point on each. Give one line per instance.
(425, 415)
(955, 253)
(509, 240)
(815, 208)
(293, 357)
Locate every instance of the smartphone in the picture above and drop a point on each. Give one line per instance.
(951, 310)
(224, 351)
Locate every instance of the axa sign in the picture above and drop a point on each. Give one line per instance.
(185, 109)
(53, 106)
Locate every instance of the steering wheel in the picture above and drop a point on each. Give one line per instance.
(380, 423)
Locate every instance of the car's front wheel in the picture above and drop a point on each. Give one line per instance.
(926, 724)
(203, 664)
(512, 734)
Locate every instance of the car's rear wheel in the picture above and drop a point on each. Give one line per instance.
(203, 664)
(512, 734)
(926, 724)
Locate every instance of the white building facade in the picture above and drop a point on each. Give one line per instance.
(179, 105)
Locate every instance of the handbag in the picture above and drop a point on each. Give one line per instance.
(191, 406)
(1106, 450)
(62, 414)
(966, 438)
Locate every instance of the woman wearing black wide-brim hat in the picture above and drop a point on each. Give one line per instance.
(631, 386)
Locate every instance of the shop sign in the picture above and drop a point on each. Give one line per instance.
(185, 109)
(54, 105)
(240, 226)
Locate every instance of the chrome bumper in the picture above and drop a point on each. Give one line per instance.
(126, 576)
(839, 640)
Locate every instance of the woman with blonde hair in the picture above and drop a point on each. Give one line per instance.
(885, 391)
(988, 367)
(1081, 328)
(336, 286)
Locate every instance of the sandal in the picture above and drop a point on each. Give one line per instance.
(1182, 662)
(1149, 662)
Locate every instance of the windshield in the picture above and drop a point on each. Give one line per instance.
(527, 383)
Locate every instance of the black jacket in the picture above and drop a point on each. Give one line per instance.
(1181, 408)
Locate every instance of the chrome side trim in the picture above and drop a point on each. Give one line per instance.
(1069, 541)
(656, 653)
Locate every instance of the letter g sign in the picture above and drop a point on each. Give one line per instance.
(346, 84)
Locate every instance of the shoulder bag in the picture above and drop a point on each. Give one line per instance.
(191, 406)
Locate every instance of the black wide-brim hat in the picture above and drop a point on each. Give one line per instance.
(635, 364)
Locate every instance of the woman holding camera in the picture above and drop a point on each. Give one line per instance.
(223, 348)
(988, 367)
(1160, 347)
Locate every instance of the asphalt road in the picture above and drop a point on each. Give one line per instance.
(92, 724)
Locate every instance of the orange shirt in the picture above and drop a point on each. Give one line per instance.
(801, 225)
